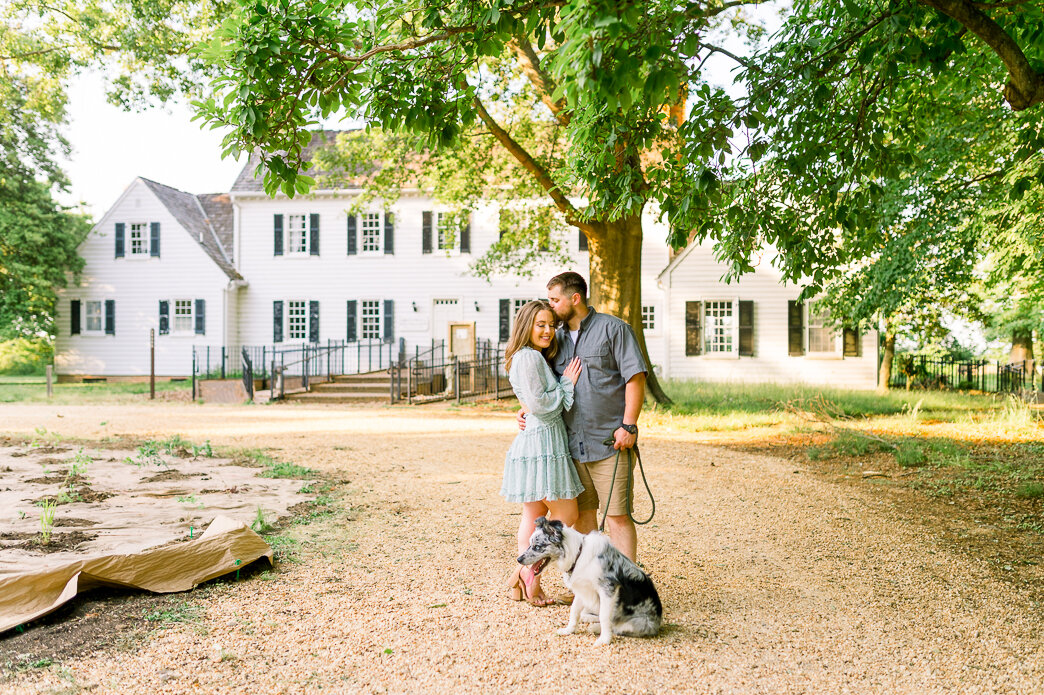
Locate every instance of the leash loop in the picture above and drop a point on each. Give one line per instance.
(645, 481)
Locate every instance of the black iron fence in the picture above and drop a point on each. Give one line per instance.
(919, 372)
(435, 374)
(289, 367)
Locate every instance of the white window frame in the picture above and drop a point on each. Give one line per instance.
(303, 235)
(438, 232)
(377, 235)
(733, 334)
(146, 233)
(836, 349)
(190, 316)
(649, 323)
(371, 309)
(289, 320)
(86, 329)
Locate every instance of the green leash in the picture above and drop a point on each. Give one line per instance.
(645, 481)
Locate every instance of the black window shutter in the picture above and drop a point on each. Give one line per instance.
(795, 327)
(154, 240)
(313, 228)
(426, 231)
(693, 328)
(852, 342)
(110, 317)
(313, 321)
(164, 317)
(505, 320)
(465, 236)
(583, 241)
(351, 336)
(746, 328)
(277, 321)
(389, 320)
(277, 233)
(352, 222)
(121, 230)
(74, 317)
(201, 317)
(389, 233)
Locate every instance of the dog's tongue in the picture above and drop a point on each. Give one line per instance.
(539, 566)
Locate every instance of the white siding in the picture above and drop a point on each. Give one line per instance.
(696, 277)
(408, 277)
(183, 271)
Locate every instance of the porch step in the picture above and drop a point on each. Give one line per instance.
(338, 397)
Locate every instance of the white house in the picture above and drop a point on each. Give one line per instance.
(243, 268)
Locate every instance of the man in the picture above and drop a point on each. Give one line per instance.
(608, 399)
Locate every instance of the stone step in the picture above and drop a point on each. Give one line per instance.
(350, 387)
(338, 397)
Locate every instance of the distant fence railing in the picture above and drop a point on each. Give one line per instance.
(435, 374)
(917, 371)
(292, 366)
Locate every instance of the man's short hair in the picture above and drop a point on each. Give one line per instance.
(571, 283)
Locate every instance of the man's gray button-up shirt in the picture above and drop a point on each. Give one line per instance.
(610, 356)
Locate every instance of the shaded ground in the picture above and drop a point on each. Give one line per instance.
(777, 576)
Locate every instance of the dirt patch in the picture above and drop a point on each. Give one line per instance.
(166, 476)
(72, 522)
(48, 480)
(84, 493)
(234, 490)
(57, 543)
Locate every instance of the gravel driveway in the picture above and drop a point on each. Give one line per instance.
(772, 580)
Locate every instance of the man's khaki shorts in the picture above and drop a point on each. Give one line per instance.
(597, 476)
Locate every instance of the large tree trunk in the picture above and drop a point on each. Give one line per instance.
(1022, 348)
(885, 377)
(615, 283)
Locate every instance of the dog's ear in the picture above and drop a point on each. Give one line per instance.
(555, 528)
(542, 523)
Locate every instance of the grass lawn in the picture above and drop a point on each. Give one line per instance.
(33, 389)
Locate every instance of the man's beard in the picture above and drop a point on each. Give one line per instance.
(566, 318)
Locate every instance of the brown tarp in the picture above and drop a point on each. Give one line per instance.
(226, 546)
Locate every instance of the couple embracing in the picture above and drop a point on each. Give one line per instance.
(580, 378)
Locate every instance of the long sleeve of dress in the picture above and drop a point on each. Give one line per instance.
(536, 386)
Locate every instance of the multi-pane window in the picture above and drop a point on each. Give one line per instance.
(821, 337)
(718, 326)
(93, 315)
(371, 319)
(139, 241)
(649, 318)
(297, 320)
(371, 231)
(297, 234)
(442, 222)
(183, 316)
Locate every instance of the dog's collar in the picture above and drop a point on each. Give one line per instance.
(577, 559)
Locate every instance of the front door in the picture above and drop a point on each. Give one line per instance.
(462, 340)
(443, 313)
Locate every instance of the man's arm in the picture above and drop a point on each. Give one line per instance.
(634, 398)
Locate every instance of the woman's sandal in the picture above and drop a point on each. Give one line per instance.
(514, 584)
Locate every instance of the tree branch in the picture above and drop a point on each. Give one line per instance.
(530, 62)
(1025, 87)
(572, 215)
(698, 9)
(715, 49)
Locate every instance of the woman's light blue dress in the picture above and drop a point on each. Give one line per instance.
(538, 465)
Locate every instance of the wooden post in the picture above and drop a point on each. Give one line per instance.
(50, 382)
(152, 364)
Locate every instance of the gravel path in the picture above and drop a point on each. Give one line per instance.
(773, 580)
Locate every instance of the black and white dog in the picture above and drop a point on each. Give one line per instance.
(602, 579)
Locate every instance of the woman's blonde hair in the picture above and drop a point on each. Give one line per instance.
(523, 329)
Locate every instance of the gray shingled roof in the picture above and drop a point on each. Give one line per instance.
(207, 218)
(246, 182)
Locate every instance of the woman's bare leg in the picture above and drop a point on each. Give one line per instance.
(531, 511)
(563, 510)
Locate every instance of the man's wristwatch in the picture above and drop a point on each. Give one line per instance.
(630, 429)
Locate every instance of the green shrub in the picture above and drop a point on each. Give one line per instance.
(909, 454)
(25, 357)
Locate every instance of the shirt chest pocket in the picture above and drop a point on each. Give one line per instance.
(597, 357)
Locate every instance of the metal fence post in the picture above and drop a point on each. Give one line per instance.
(193, 373)
(456, 377)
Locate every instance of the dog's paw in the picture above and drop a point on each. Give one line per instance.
(604, 639)
(563, 631)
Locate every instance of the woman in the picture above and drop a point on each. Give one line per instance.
(538, 470)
